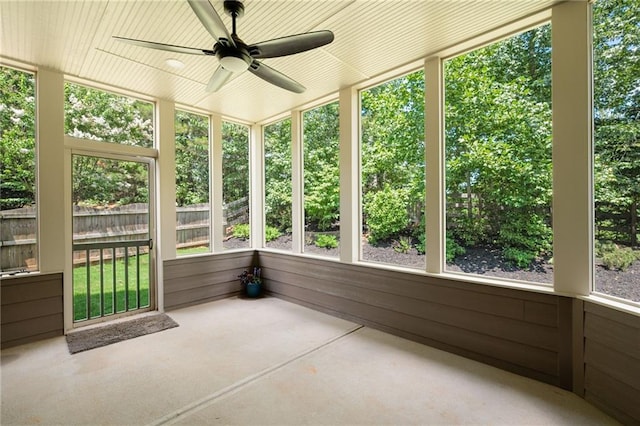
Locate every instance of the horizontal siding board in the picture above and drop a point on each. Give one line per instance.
(612, 361)
(16, 292)
(32, 327)
(232, 285)
(200, 280)
(625, 318)
(31, 279)
(616, 364)
(611, 393)
(530, 357)
(616, 335)
(517, 331)
(201, 294)
(327, 268)
(540, 313)
(408, 285)
(179, 272)
(32, 309)
(178, 268)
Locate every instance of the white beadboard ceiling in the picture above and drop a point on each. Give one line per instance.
(371, 37)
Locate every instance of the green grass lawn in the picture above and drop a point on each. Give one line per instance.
(119, 296)
(192, 250)
(113, 302)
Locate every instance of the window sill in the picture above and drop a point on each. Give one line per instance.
(17, 274)
(622, 305)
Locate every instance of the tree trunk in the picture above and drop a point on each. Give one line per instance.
(634, 223)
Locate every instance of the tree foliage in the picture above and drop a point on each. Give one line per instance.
(392, 150)
(192, 158)
(278, 191)
(498, 145)
(98, 115)
(17, 138)
(235, 161)
(617, 113)
(321, 139)
(105, 182)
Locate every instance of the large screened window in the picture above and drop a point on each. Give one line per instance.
(193, 209)
(498, 159)
(321, 140)
(616, 43)
(18, 223)
(103, 116)
(392, 158)
(235, 185)
(277, 184)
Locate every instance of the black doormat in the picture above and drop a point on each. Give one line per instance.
(84, 340)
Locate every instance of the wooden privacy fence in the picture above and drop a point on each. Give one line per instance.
(616, 223)
(18, 239)
(18, 229)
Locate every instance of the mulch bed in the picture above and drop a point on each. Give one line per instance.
(485, 261)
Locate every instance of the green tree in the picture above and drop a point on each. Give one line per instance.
(617, 114)
(321, 169)
(393, 151)
(101, 181)
(498, 146)
(192, 158)
(278, 192)
(98, 115)
(235, 161)
(17, 139)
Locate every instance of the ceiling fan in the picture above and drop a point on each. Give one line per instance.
(234, 55)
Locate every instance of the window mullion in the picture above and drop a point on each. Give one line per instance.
(297, 195)
(434, 174)
(572, 135)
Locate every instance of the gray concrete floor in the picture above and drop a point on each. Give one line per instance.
(267, 361)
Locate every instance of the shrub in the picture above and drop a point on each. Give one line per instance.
(470, 231)
(420, 245)
(241, 231)
(616, 257)
(418, 233)
(403, 245)
(386, 212)
(520, 258)
(523, 238)
(271, 233)
(603, 247)
(453, 249)
(326, 241)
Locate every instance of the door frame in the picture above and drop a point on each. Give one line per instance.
(75, 146)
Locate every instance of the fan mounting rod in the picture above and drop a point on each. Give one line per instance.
(235, 9)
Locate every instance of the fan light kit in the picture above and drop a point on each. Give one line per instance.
(233, 54)
(233, 64)
(174, 63)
